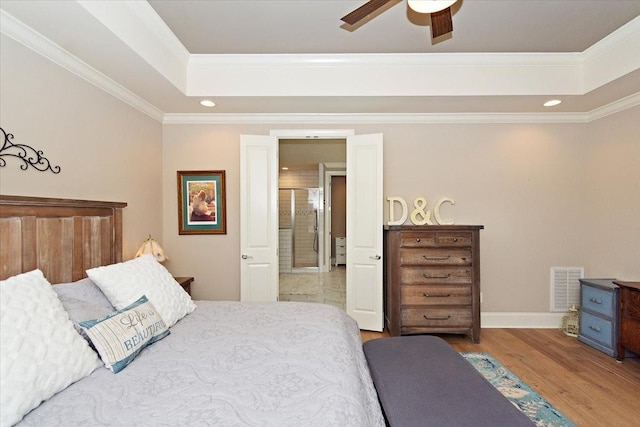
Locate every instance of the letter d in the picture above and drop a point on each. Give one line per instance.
(405, 211)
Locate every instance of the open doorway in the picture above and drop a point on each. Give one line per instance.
(307, 249)
(259, 220)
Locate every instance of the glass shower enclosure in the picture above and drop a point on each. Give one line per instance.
(299, 239)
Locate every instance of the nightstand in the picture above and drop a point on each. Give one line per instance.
(185, 282)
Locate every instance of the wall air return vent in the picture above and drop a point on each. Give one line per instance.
(565, 287)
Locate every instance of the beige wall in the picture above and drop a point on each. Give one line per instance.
(547, 194)
(214, 260)
(106, 149)
(613, 196)
(524, 182)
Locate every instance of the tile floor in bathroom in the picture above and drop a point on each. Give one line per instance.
(328, 288)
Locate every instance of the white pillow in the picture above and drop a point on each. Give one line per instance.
(40, 351)
(125, 282)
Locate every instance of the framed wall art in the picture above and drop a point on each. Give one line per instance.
(201, 202)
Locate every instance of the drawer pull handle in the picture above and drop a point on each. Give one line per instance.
(437, 318)
(436, 258)
(595, 328)
(436, 295)
(436, 277)
(595, 300)
(418, 240)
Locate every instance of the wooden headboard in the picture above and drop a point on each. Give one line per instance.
(61, 237)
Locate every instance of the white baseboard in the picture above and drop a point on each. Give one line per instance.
(521, 320)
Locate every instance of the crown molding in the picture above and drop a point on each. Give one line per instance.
(367, 118)
(23, 34)
(630, 101)
(406, 118)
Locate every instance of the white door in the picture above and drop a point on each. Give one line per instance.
(258, 218)
(364, 231)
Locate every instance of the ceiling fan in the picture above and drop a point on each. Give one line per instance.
(440, 11)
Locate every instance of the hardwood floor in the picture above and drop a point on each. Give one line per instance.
(589, 387)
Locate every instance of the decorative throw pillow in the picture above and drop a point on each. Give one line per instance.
(120, 337)
(125, 282)
(40, 352)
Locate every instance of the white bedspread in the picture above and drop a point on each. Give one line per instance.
(232, 364)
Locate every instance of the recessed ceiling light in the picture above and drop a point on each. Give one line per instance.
(207, 103)
(284, 168)
(552, 103)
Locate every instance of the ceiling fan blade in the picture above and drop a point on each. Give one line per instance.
(441, 23)
(363, 11)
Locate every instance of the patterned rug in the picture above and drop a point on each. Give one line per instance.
(541, 412)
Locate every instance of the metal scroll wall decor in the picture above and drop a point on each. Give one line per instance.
(29, 155)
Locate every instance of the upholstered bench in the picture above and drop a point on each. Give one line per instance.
(422, 381)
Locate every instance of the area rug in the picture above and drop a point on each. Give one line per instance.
(541, 412)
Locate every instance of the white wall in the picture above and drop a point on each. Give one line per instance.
(106, 149)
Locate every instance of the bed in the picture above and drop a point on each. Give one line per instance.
(221, 363)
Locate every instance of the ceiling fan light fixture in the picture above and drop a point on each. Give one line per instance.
(429, 6)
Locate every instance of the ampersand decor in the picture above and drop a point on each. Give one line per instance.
(420, 204)
(29, 156)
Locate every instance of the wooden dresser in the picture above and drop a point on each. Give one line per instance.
(432, 279)
(629, 317)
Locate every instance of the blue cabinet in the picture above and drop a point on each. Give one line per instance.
(599, 315)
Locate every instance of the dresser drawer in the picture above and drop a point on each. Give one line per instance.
(450, 317)
(597, 329)
(421, 239)
(597, 300)
(418, 239)
(435, 256)
(435, 295)
(453, 239)
(434, 275)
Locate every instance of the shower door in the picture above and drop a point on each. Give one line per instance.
(299, 239)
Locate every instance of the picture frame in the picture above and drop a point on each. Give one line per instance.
(202, 202)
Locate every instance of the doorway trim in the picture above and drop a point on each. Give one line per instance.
(312, 133)
(363, 253)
